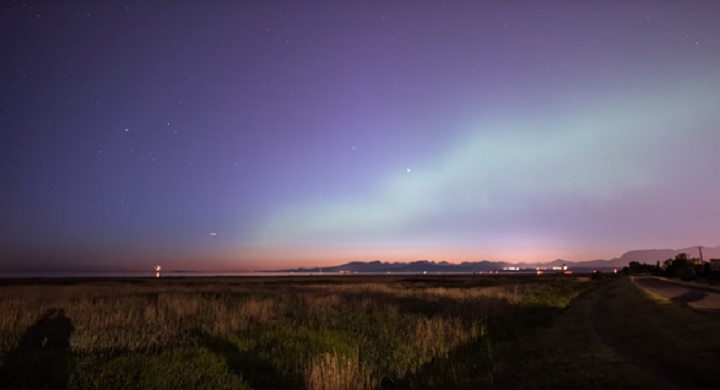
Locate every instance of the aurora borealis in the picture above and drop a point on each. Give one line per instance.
(260, 135)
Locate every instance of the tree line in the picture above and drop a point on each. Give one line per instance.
(681, 266)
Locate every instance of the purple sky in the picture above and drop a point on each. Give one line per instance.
(262, 134)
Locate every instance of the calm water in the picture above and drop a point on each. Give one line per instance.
(148, 274)
(151, 274)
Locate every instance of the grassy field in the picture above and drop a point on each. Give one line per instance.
(341, 332)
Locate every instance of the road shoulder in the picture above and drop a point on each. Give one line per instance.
(571, 354)
(673, 342)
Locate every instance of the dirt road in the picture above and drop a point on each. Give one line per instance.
(617, 337)
(676, 344)
(699, 298)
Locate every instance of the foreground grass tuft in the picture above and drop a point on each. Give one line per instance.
(331, 371)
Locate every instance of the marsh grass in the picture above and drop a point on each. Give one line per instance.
(332, 371)
(332, 333)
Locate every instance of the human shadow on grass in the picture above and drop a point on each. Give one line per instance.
(40, 361)
(253, 369)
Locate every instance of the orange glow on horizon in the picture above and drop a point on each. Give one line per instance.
(270, 259)
(289, 258)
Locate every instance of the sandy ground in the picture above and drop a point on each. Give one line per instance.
(703, 299)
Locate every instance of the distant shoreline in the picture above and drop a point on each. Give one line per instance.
(202, 274)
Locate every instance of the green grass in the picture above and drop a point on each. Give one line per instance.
(180, 368)
(283, 333)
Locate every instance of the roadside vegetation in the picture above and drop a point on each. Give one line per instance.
(336, 332)
(674, 342)
(681, 267)
(580, 350)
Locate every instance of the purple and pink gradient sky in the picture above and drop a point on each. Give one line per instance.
(227, 135)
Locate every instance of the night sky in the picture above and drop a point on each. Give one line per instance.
(246, 135)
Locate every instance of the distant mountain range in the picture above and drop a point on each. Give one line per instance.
(649, 256)
(653, 255)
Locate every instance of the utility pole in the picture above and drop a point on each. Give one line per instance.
(700, 249)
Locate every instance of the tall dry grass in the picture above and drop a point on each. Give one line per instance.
(132, 317)
(398, 328)
(332, 371)
(437, 336)
(112, 318)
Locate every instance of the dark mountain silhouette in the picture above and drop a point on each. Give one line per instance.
(653, 255)
(649, 256)
(415, 266)
(421, 266)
